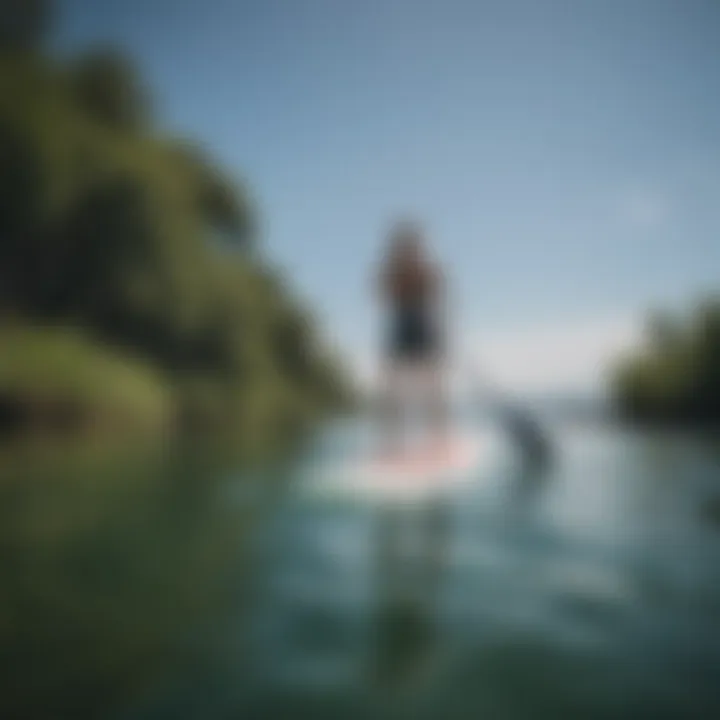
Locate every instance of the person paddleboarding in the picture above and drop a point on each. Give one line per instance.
(412, 292)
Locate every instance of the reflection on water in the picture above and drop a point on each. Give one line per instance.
(173, 585)
(411, 548)
(110, 563)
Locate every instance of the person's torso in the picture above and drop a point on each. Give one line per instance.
(412, 289)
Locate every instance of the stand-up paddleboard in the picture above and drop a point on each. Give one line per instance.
(414, 472)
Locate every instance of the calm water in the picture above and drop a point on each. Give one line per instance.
(163, 585)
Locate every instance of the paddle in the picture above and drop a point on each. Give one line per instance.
(523, 427)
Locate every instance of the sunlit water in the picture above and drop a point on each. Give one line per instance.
(587, 589)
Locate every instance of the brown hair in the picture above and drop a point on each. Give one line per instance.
(408, 273)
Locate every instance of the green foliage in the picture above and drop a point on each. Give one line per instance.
(216, 197)
(140, 239)
(57, 373)
(107, 87)
(677, 376)
(23, 23)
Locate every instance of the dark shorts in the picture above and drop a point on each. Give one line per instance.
(413, 337)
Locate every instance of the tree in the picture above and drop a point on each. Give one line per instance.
(107, 87)
(226, 210)
(24, 23)
(676, 377)
(108, 224)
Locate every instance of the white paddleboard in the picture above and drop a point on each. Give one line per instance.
(411, 474)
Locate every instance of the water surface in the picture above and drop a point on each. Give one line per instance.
(173, 586)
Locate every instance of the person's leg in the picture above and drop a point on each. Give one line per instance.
(390, 407)
(437, 411)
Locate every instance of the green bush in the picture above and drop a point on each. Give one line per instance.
(49, 368)
(676, 376)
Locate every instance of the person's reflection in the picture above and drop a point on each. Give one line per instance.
(411, 558)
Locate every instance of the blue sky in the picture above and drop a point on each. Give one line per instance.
(563, 155)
